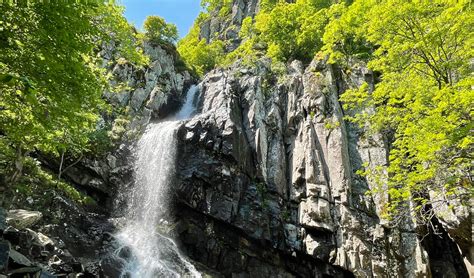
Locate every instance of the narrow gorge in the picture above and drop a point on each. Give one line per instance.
(246, 170)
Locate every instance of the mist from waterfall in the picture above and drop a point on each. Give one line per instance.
(150, 252)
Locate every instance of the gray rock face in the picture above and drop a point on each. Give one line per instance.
(274, 163)
(227, 27)
(153, 90)
(3, 220)
(22, 219)
(148, 93)
(4, 254)
(19, 259)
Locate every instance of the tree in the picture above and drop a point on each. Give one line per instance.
(50, 81)
(222, 7)
(197, 53)
(292, 30)
(345, 37)
(424, 98)
(157, 30)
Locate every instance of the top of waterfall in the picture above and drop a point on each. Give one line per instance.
(188, 107)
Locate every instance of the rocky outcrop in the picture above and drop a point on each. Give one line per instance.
(226, 27)
(149, 92)
(268, 175)
(66, 240)
(145, 94)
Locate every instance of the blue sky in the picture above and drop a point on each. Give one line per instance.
(180, 12)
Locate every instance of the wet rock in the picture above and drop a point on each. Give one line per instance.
(18, 260)
(45, 274)
(4, 254)
(292, 236)
(59, 266)
(44, 242)
(3, 220)
(32, 271)
(111, 267)
(15, 236)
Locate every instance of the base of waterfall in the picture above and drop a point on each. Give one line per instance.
(162, 257)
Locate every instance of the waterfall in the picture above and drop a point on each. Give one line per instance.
(150, 252)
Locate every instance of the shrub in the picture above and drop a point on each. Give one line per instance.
(158, 31)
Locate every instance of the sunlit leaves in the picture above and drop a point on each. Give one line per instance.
(424, 100)
(292, 30)
(157, 30)
(198, 54)
(50, 81)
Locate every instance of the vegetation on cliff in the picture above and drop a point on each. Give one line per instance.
(51, 80)
(422, 102)
(52, 83)
(157, 30)
(197, 52)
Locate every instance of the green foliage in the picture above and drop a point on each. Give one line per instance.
(424, 97)
(50, 81)
(43, 186)
(119, 127)
(223, 7)
(197, 53)
(158, 31)
(263, 194)
(268, 5)
(292, 30)
(344, 36)
(100, 140)
(284, 30)
(246, 51)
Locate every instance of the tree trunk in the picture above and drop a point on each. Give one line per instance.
(20, 156)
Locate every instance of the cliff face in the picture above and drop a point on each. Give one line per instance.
(268, 186)
(267, 182)
(227, 27)
(148, 93)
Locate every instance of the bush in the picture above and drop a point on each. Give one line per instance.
(158, 31)
(292, 30)
(197, 53)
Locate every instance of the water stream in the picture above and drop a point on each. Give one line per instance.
(152, 253)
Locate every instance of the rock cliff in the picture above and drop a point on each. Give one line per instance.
(268, 185)
(226, 27)
(267, 182)
(267, 177)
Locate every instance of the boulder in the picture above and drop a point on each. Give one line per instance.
(31, 271)
(4, 254)
(22, 219)
(45, 242)
(3, 220)
(18, 260)
(15, 236)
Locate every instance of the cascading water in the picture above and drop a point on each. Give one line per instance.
(150, 252)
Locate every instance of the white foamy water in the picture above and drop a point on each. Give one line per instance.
(149, 252)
